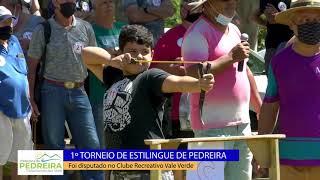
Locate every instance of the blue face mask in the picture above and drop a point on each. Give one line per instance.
(223, 20)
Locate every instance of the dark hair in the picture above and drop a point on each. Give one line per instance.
(135, 33)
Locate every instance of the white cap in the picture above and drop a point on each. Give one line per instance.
(5, 14)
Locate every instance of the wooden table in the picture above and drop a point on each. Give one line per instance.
(265, 149)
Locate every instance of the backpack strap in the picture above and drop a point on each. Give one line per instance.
(46, 31)
(47, 35)
(40, 73)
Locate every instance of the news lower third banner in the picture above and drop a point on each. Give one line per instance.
(54, 162)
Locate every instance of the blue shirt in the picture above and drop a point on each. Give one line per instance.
(14, 98)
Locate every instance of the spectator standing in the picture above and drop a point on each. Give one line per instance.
(24, 23)
(23, 27)
(225, 112)
(62, 93)
(15, 108)
(293, 91)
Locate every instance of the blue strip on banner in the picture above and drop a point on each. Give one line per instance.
(151, 155)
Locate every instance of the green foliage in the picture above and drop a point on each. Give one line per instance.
(175, 19)
(261, 38)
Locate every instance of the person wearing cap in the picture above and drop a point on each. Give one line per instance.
(225, 111)
(63, 97)
(15, 108)
(293, 92)
(24, 23)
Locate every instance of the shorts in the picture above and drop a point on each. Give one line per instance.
(15, 134)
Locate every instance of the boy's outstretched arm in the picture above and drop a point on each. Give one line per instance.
(95, 56)
(187, 84)
(268, 117)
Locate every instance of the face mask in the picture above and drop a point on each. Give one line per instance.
(5, 32)
(223, 20)
(309, 33)
(68, 9)
(192, 17)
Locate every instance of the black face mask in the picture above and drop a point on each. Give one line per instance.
(309, 33)
(192, 17)
(68, 9)
(5, 32)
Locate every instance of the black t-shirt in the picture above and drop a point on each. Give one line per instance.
(133, 108)
(276, 33)
(111, 75)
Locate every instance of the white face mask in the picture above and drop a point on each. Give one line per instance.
(223, 20)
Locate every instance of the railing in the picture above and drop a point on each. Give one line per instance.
(265, 149)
